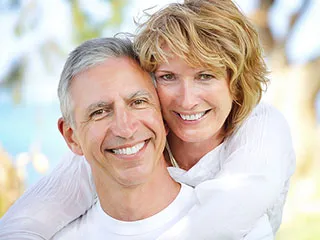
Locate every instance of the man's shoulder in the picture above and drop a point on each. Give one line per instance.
(80, 228)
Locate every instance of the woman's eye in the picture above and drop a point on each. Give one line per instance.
(166, 77)
(205, 76)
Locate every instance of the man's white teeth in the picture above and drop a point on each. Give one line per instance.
(192, 117)
(129, 150)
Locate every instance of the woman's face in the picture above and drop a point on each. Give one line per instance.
(195, 104)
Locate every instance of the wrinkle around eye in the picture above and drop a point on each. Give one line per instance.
(139, 103)
(99, 114)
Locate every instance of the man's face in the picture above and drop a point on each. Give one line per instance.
(118, 122)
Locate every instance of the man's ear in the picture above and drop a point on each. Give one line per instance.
(69, 136)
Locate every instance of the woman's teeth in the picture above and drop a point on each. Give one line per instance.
(192, 117)
(129, 150)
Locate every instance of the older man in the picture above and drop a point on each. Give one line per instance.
(112, 116)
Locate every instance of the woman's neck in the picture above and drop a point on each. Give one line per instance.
(187, 154)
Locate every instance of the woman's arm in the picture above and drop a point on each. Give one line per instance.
(52, 203)
(257, 163)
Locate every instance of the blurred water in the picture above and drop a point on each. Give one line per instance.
(24, 127)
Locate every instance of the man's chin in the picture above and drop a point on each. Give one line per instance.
(135, 177)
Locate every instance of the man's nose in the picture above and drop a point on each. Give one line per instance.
(125, 124)
(187, 95)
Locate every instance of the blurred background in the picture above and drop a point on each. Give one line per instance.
(36, 37)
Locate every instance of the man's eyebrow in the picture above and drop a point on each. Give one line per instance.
(104, 104)
(141, 93)
(100, 104)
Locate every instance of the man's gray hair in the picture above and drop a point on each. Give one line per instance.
(89, 54)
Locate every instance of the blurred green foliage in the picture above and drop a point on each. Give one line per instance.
(11, 186)
(85, 29)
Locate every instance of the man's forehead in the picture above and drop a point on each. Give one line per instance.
(117, 69)
(122, 77)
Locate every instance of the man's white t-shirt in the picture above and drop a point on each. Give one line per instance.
(96, 224)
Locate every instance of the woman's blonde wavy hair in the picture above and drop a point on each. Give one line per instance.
(212, 34)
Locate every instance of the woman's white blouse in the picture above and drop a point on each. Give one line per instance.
(237, 183)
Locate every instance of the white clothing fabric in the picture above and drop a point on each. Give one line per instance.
(96, 224)
(239, 182)
(260, 231)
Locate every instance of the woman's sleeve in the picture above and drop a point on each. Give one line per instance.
(258, 162)
(52, 203)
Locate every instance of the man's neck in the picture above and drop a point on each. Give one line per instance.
(141, 201)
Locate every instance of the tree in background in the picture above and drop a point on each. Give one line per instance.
(83, 25)
(294, 88)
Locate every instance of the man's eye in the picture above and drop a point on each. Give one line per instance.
(98, 114)
(139, 103)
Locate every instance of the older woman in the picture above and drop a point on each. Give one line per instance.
(209, 73)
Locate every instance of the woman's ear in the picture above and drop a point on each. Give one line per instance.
(69, 136)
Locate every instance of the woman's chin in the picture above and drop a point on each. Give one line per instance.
(191, 137)
(196, 136)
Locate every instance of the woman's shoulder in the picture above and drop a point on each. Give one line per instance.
(264, 115)
(264, 122)
(266, 110)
